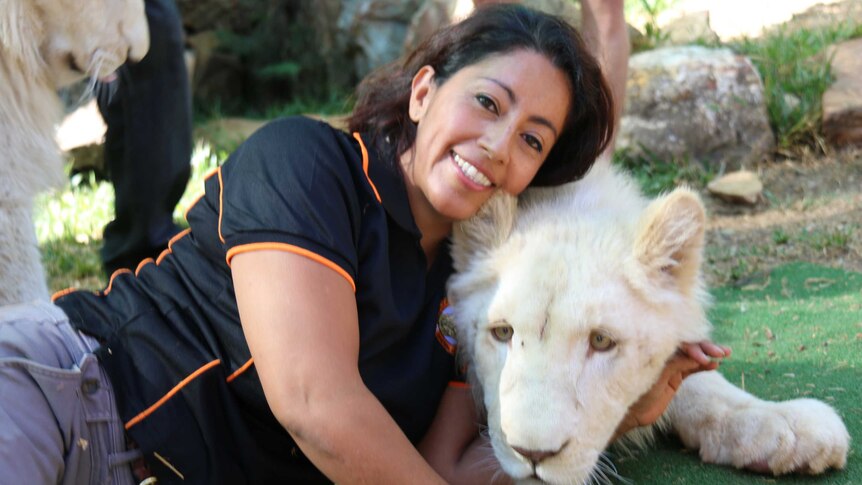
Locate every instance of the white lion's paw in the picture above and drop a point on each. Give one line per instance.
(802, 435)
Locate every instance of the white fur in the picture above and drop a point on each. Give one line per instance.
(596, 255)
(37, 40)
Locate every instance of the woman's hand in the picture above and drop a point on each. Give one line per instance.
(690, 358)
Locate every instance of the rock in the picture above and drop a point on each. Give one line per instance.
(375, 30)
(690, 28)
(432, 15)
(791, 102)
(202, 15)
(842, 102)
(227, 133)
(83, 126)
(742, 186)
(695, 102)
(217, 75)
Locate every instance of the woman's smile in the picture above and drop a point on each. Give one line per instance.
(473, 174)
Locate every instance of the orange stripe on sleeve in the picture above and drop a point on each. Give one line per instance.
(245, 248)
(162, 256)
(365, 165)
(212, 172)
(459, 385)
(62, 293)
(150, 410)
(197, 199)
(114, 275)
(220, 203)
(239, 371)
(179, 236)
(142, 264)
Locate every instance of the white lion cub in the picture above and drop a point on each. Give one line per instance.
(569, 302)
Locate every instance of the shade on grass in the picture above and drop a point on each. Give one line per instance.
(797, 333)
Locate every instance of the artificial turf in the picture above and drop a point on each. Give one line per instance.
(795, 333)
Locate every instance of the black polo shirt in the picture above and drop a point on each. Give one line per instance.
(172, 341)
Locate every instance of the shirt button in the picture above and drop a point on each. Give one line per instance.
(90, 386)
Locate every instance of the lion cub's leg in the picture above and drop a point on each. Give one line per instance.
(731, 427)
(21, 275)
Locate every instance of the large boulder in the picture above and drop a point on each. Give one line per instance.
(698, 102)
(374, 31)
(842, 102)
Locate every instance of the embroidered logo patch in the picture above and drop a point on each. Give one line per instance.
(446, 328)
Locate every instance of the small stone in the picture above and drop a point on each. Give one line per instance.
(741, 186)
(791, 102)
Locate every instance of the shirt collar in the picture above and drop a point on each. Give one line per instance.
(387, 178)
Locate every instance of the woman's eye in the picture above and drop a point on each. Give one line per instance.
(534, 143)
(601, 342)
(487, 103)
(503, 333)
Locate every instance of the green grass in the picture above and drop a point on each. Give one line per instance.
(798, 334)
(656, 175)
(69, 223)
(795, 71)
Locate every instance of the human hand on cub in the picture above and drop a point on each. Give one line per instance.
(690, 358)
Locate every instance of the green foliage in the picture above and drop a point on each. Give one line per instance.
(795, 72)
(69, 223)
(823, 240)
(279, 56)
(656, 175)
(779, 236)
(72, 264)
(648, 12)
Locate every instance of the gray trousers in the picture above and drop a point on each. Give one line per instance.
(58, 417)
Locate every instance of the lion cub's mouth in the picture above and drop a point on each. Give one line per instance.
(73, 64)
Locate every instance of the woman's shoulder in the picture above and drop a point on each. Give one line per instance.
(299, 129)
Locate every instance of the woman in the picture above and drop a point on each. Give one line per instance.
(289, 334)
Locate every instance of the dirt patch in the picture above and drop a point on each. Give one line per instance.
(811, 211)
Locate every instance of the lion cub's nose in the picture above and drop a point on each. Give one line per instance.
(537, 456)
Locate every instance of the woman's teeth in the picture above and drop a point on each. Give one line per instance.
(471, 172)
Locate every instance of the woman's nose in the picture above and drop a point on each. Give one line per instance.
(495, 142)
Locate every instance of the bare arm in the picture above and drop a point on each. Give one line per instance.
(607, 36)
(691, 358)
(301, 324)
(453, 445)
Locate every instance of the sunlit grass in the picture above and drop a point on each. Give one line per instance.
(69, 223)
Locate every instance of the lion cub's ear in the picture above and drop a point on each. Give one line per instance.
(485, 231)
(669, 239)
(20, 33)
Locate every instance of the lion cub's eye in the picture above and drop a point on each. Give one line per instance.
(503, 333)
(601, 342)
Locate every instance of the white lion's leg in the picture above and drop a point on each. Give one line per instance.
(731, 427)
(21, 276)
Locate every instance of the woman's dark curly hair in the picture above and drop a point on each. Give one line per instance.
(383, 98)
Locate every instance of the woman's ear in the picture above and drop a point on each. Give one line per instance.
(420, 90)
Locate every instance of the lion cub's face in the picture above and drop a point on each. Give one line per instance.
(567, 320)
(74, 39)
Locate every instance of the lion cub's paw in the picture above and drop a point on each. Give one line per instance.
(803, 435)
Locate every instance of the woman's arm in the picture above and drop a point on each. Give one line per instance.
(453, 445)
(301, 324)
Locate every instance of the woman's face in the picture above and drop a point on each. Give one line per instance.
(488, 127)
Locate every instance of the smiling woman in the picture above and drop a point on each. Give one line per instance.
(290, 334)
